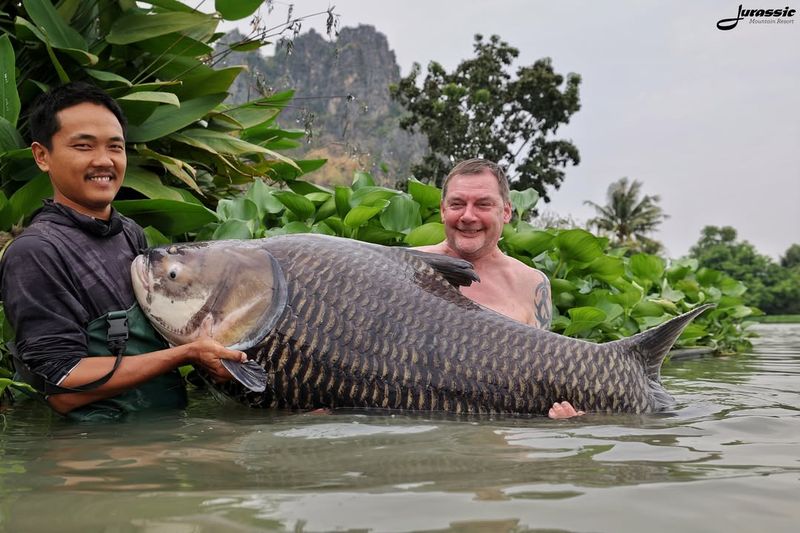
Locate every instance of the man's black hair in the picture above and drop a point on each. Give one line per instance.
(43, 121)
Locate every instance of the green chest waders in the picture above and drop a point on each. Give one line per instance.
(166, 391)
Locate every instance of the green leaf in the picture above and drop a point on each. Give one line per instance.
(262, 197)
(401, 215)
(138, 26)
(362, 213)
(583, 319)
(26, 200)
(224, 143)
(578, 245)
(148, 184)
(531, 242)
(177, 167)
(10, 139)
(9, 98)
(362, 179)
(232, 229)
(167, 119)
(236, 9)
(606, 268)
(522, 201)
(58, 32)
(342, 196)
(327, 209)
(647, 267)
(152, 96)
(426, 195)
(248, 45)
(647, 308)
(426, 234)
(108, 77)
(238, 208)
(175, 44)
(296, 203)
(155, 237)
(170, 217)
(370, 195)
(378, 235)
(306, 187)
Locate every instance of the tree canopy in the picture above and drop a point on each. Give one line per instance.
(481, 110)
(628, 216)
(770, 287)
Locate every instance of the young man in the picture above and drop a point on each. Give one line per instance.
(475, 207)
(65, 281)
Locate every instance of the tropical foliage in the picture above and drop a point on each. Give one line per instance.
(478, 110)
(627, 217)
(772, 287)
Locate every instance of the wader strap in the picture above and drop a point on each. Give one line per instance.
(116, 339)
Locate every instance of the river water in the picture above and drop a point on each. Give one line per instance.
(726, 458)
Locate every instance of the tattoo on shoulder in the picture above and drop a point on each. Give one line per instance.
(542, 307)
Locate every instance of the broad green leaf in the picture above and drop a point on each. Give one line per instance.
(296, 203)
(10, 139)
(200, 83)
(155, 237)
(262, 197)
(649, 322)
(327, 209)
(26, 200)
(583, 319)
(306, 187)
(166, 119)
(257, 112)
(731, 287)
(148, 184)
(647, 267)
(224, 143)
(693, 331)
(426, 195)
(232, 229)
(401, 215)
(236, 9)
(152, 96)
(323, 229)
(178, 168)
(58, 32)
(9, 98)
(426, 234)
(175, 44)
(138, 26)
(531, 242)
(647, 308)
(108, 77)
(171, 5)
(83, 57)
(522, 201)
(378, 235)
(168, 216)
(362, 179)
(285, 172)
(578, 245)
(238, 208)
(248, 45)
(370, 195)
(342, 197)
(318, 197)
(362, 213)
(606, 268)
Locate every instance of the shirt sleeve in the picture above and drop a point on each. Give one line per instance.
(41, 304)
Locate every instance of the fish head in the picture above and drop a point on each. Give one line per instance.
(230, 291)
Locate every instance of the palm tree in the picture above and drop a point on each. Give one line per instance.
(628, 217)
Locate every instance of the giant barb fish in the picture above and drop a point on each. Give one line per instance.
(340, 323)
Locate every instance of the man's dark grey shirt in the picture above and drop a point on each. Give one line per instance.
(65, 270)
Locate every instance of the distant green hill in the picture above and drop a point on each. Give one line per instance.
(341, 98)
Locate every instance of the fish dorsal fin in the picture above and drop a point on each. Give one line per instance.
(456, 271)
(654, 344)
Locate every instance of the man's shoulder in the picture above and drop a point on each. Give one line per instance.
(524, 272)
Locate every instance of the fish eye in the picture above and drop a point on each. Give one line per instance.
(173, 273)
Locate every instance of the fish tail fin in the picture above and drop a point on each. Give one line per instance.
(653, 346)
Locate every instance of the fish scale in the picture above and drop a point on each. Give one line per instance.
(374, 327)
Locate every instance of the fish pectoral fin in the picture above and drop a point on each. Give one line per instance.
(456, 271)
(249, 374)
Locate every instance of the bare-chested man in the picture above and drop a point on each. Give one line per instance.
(475, 207)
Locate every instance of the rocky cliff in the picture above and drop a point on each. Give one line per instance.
(341, 99)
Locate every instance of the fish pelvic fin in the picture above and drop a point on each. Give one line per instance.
(654, 344)
(457, 272)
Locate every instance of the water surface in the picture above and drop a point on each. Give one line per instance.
(726, 458)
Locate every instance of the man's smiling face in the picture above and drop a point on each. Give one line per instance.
(86, 161)
(474, 213)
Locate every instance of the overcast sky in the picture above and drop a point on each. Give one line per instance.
(707, 119)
